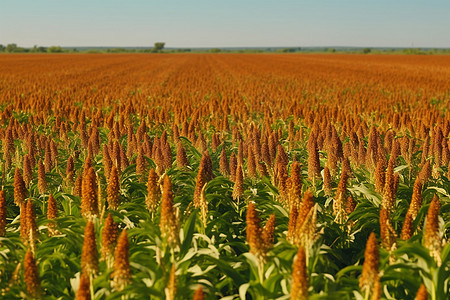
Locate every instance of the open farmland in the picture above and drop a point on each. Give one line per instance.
(227, 176)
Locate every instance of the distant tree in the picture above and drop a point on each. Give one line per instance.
(414, 51)
(158, 47)
(366, 50)
(11, 48)
(288, 50)
(2, 48)
(215, 50)
(39, 49)
(55, 49)
(332, 50)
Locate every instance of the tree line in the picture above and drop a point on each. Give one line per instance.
(14, 48)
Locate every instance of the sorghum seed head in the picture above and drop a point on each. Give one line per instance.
(109, 238)
(89, 194)
(223, 163)
(121, 275)
(388, 234)
(198, 294)
(31, 275)
(238, 189)
(371, 263)
(293, 214)
(52, 214)
(182, 160)
(299, 288)
(295, 184)
(84, 292)
(153, 191)
(89, 255)
(432, 235)
(254, 230)
(268, 233)
(422, 293)
(113, 189)
(169, 221)
(20, 191)
(171, 289)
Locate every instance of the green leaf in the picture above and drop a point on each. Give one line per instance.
(188, 230)
(243, 290)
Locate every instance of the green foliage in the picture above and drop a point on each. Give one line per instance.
(54, 49)
(158, 47)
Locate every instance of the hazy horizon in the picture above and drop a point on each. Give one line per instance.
(230, 24)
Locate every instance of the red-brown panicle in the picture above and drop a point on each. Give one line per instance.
(340, 199)
(305, 227)
(432, 236)
(295, 185)
(293, 214)
(42, 182)
(182, 160)
(416, 201)
(198, 294)
(113, 189)
(300, 282)
(20, 191)
(268, 233)
(70, 170)
(422, 293)
(89, 254)
(169, 222)
(327, 181)
(313, 159)
(52, 214)
(31, 276)
(254, 231)
(370, 276)
(407, 229)
(379, 176)
(199, 185)
(109, 238)
(27, 170)
(238, 190)
(171, 288)
(89, 194)
(388, 234)
(223, 163)
(233, 166)
(122, 274)
(251, 164)
(390, 187)
(153, 191)
(84, 292)
(206, 165)
(141, 163)
(31, 225)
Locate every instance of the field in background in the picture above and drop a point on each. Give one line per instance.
(224, 176)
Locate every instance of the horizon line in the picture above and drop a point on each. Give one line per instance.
(240, 47)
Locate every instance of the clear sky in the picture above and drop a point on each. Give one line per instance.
(226, 23)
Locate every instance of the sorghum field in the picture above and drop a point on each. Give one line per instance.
(228, 176)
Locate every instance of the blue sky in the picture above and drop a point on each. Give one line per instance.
(232, 23)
